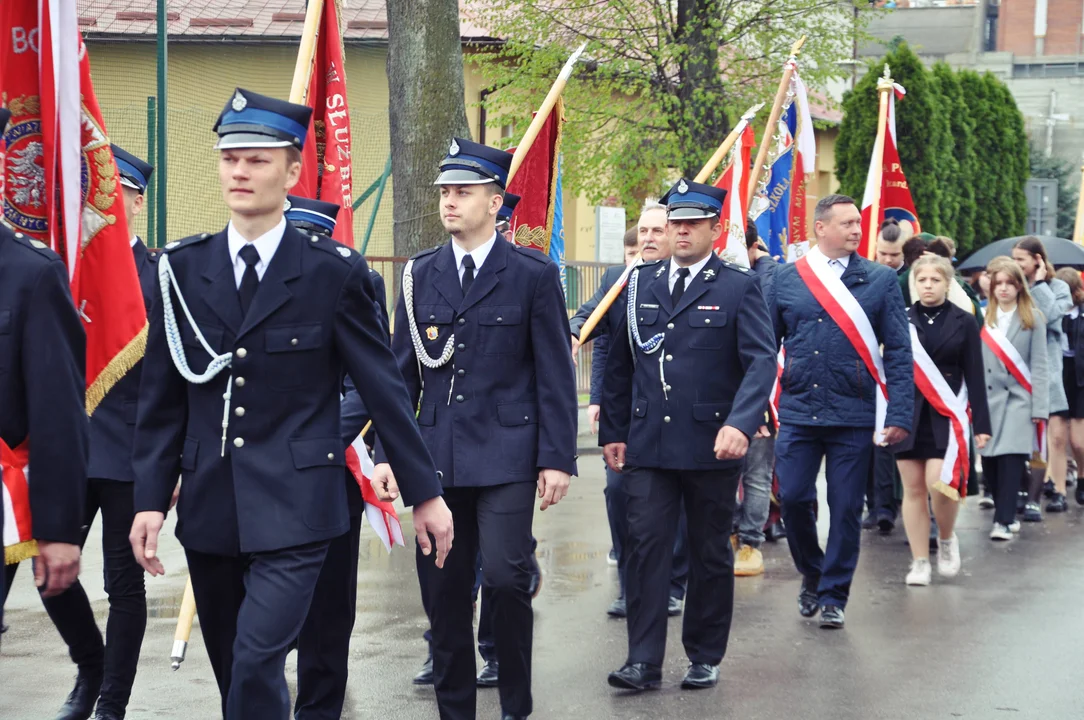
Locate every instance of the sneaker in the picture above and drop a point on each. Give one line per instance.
(1048, 489)
(1058, 504)
(1021, 502)
(611, 559)
(920, 572)
(1032, 513)
(1000, 532)
(749, 562)
(948, 557)
(1014, 527)
(986, 502)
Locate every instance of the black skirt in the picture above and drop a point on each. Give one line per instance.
(1073, 392)
(925, 447)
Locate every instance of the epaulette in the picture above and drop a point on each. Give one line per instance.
(533, 253)
(334, 247)
(36, 245)
(186, 242)
(736, 267)
(657, 267)
(424, 253)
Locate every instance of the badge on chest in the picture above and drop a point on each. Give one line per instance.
(432, 332)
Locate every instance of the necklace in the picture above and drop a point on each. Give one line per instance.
(929, 320)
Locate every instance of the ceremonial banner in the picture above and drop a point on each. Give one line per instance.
(532, 223)
(895, 194)
(381, 515)
(18, 541)
(326, 171)
(735, 180)
(62, 188)
(557, 234)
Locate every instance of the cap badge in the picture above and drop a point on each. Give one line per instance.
(345, 252)
(239, 102)
(453, 149)
(432, 332)
(682, 188)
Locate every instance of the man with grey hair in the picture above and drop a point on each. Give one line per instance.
(832, 309)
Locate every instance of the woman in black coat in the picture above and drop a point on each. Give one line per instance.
(950, 338)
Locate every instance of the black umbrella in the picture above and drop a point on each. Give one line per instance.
(1060, 252)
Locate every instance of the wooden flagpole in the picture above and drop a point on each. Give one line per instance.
(184, 626)
(543, 114)
(306, 54)
(720, 154)
(884, 87)
(773, 120)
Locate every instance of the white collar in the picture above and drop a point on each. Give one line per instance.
(845, 261)
(479, 253)
(693, 269)
(265, 245)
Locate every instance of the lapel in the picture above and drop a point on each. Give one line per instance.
(220, 288)
(700, 283)
(660, 286)
(949, 330)
(953, 327)
(487, 278)
(1014, 329)
(273, 291)
(446, 280)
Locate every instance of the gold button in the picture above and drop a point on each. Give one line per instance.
(238, 442)
(239, 382)
(241, 352)
(293, 341)
(239, 412)
(331, 456)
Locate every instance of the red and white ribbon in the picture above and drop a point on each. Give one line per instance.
(1006, 352)
(777, 388)
(845, 311)
(18, 538)
(381, 515)
(933, 386)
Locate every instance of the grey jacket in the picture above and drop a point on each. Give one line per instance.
(1011, 407)
(1054, 299)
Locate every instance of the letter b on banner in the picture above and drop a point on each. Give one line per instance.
(23, 41)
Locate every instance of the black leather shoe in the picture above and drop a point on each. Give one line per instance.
(832, 617)
(636, 676)
(886, 524)
(807, 598)
(80, 702)
(535, 586)
(869, 522)
(673, 608)
(618, 608)
(488, 677)
(425, 675)
(510, 716)
(1057, 504)
(106, 715)
(776, 531)
(700, 676)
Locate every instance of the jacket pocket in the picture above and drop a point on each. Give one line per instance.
(295, 338)
(317, 452)
(190, 454)
(501, 332)
(514, 414)
(708, 330)
(639, 408)
(711, 412)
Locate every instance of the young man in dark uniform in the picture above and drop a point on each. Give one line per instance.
(481, 336)
(686, 387)
(260, 452)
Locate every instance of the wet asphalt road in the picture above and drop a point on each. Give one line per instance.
(1003, 640)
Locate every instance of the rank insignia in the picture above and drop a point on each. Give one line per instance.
(345, 252)
(709, 274)
(239, 102)
(660, 271)
(432, 332)
(170, 246)
(707, 307)
(38, 244)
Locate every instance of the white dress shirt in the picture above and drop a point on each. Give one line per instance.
(265, 245)
(135, 239)
(1004, 319)
(693, 270)
(839, 265)
(479, 254)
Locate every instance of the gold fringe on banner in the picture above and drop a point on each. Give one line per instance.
(19, 552)
(111, 374)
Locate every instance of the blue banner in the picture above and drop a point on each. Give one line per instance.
(557, 236)
(773, 224)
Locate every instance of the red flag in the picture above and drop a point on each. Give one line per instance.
(895, 194)
(735, 180)
(326, 170)
(536, 184)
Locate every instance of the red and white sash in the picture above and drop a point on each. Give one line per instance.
(777, 388)
(18, 539)
(844, 309)
(1006, 352)
(933, 386)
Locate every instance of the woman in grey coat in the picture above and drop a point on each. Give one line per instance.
(1014, 411)
(1053, 299)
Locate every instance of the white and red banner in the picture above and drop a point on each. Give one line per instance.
(381, 515)
(18, 540)
(845, 311)
(326, 170)
(933, 386)
(735, 180)
(1006, 352)
(805, 164)
(894, 192)
(777, 387)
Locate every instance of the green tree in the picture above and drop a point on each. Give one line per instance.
(987, 178)
(1068, 176)
(1015, 156)
(958, 215)
(664, 82)
(923, 136)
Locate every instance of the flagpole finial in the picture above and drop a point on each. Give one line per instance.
(885, 82)
(887, 73)
(566, 71)
(797, 46)
(752, 112)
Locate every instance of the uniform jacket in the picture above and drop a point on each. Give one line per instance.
(112, 426)
(280, 483)
(1011, 407)
(504, 406)
(825, 383)
(42, 383)
(1053, 299)
(719, 364)
(958, 355)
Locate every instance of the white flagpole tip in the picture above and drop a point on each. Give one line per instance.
(566, 71)
(752, 112)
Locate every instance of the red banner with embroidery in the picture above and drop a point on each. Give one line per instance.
(895, 193)
(326, 171)
(536, 184)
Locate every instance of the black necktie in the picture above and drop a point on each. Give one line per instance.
(250, 280)
(679, 287)
(468, 274)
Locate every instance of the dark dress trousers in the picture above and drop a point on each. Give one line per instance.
(500, 410)
(718, 360)
(256, 517)
(42, 386)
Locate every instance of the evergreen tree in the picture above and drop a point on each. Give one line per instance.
(1016, 158)
(987, 177)
(958, 216)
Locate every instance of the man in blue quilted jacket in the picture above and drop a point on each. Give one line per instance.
(827, 407)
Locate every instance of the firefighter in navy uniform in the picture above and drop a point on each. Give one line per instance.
(686, 387)
(481, 337)
(240, 397)
(106, 674)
